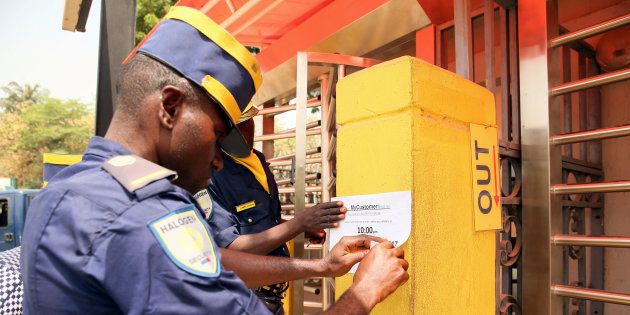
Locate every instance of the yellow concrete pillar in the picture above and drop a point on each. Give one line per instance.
(405, 125)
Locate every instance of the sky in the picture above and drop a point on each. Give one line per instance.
(35, 50)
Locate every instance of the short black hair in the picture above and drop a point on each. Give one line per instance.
(143, 75)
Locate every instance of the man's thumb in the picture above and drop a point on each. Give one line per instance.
(356, 256)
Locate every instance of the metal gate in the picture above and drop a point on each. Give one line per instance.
(563, 171)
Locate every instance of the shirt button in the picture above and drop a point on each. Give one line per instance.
(249, 220)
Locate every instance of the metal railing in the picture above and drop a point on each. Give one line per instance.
(579, 240)
(309, 177)
(590, 31)
(591, 294)
(546, 125)
(605, 187)
(598, 134)
(591, 82)
(272, 111)
(292, 190)
(285, 135)
(326, 128)
(290, 156)
(289, 162)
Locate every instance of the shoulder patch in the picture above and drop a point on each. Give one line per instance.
(205, 202)
(187, 241)
(134, 172)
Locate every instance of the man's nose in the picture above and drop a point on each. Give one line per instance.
(217, 162)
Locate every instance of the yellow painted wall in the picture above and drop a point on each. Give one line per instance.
(404, 126)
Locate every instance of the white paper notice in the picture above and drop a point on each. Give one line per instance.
(386, 215)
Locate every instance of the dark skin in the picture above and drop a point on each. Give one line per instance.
(311, 221)
(183, 134)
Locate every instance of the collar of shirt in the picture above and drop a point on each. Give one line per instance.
(103, 149)
(254, 165)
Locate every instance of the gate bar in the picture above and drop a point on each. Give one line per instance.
(597, 134)
(333, 148)
(591, 294)
(603, 187)
(332, 112)
(287, 181)
(289, 162)
(289, 156)
(276, 136)
(271, 111)
(310, 125)
(290, 190)
(596, 241)
(291, 207)
(583, 84)
(590, 31)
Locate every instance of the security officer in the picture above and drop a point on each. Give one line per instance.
(250, 217)
(113, 235)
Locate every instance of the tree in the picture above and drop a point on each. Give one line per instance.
(39, 125)
(18, 96)
(148, 14)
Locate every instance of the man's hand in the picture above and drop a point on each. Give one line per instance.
(349, 251)
(381, 272)
(321, 216)
(315, 238)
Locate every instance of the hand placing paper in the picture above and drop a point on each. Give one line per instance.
(385, 215)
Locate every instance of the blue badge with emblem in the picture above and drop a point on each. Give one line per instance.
(205, 202)
(187, 241)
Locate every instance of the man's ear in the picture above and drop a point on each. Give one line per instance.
(171, 101)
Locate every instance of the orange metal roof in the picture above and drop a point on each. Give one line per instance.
(264, 23)
(258, 22)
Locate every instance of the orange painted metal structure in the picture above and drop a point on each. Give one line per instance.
(286, 27)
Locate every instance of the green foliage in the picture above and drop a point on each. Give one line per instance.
(148, 14)
(40, 125)
(18, 96)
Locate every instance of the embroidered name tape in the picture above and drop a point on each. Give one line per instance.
(245, 206)
(186, 241)
(205, 202)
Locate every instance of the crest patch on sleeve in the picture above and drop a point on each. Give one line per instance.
(187, 241)
(205, 202)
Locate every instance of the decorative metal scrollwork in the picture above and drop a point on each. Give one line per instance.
(575, 225)
(508, 305)
(512, 168)
(510, 247)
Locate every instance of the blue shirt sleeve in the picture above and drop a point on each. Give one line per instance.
(223, 225)
(140, 277)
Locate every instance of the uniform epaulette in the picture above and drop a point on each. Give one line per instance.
(135, 172)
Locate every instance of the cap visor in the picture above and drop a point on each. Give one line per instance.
(235, 145)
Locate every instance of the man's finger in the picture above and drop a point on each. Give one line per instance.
(405, 278)
(404, 264)
(386, 244)
(331, 204)
(329, 225)
(332, 211)
(399, 252)
(355, 257)
(361, 240)
(333, 218)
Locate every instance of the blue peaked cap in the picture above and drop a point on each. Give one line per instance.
(191, 43)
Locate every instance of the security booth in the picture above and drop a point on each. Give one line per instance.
(547, 80)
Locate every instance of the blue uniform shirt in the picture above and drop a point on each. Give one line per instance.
(91, 246)
(236, 187)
